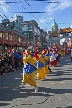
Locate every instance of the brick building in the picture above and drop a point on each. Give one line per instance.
(9, 37)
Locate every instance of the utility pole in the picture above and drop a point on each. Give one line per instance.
(59, 36)
(33, 34)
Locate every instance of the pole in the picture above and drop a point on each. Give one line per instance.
(33, 35)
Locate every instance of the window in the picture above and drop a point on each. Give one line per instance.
(38, 38)
(35, 29)
(13, 38)
(0, 36)
(69, 34)
(5, 36)
(19, 39)
(24, 27)
(28, 42)
(38, 32)
(30, 26)
(10, 36)
(25, 33)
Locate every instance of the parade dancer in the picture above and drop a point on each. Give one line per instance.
(57, 56)
(53, 61)
(71, 54)
(49, 51)
(68, 49)
(62, 53)
(29, 71)
(40, 65)
(47, 59)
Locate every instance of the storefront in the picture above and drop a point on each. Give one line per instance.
(11, 40)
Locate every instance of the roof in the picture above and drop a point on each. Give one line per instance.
(30, 22)
(54, 24)
(66, 30)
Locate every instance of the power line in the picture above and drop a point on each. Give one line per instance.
(28, 12)
(37, 19)
(48, 25)
(37, 0)
(1, 16)
(31, 7)
(51, 2)
(25, 9)
(9, 2)
(5, 16)
(46, 1)
(12, 26)
(44, 12)
(31, 13)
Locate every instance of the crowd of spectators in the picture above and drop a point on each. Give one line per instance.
(9, 62)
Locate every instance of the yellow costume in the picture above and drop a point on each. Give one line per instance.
(40, 66)
(62, 53)
(29, 71)
(47, 59)
(59, 52)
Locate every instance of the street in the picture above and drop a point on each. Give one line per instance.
(54, 92)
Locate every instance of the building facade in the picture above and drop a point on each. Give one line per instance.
(54, 35)
(54, 26)
(21, 34)
(44, 42)
(10, 37)
(65, 37)
(32, 30)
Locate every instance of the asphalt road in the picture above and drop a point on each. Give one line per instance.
(54, 92)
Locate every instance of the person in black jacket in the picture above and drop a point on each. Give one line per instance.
(1, 72)
(16, 62)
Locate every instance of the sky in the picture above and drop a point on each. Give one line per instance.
(61, 11)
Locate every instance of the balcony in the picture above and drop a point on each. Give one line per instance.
(11, 39)
(5, 41)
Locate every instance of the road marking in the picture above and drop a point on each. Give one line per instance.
(17, 78)
(57, 82)
(61, 82)
(22, 92)
(7, 87)
(29, 85)
(69, 104)
(10, 87)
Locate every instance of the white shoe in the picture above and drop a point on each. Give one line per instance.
(36, 89)
(23, 85)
